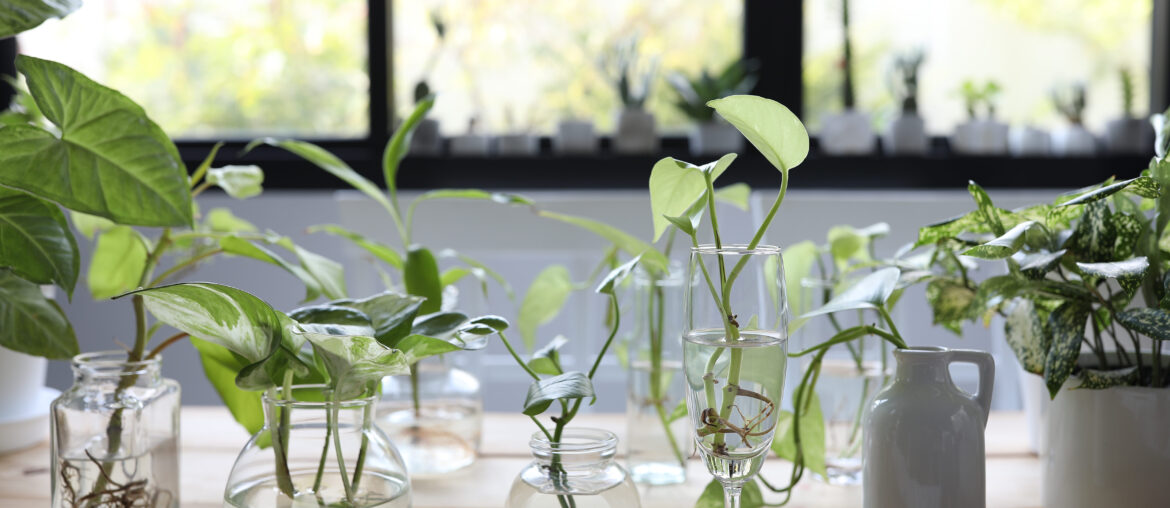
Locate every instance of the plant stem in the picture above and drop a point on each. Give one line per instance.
(280, 440)
(341, 470)
(164, 344)
(324, 454)
(657, 316)
(361, 458)
(415, 399)
(516, 357)
(617, 320)
(759, 236)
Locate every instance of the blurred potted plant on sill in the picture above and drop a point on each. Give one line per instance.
(980, 136)
(471, 143)
(518, 139)
(575, 136)
(1128, 134)
(1085, 307)
(1072, 139)
(906, 134)
(1029, 141)
(632, 77)
(711, 134)
(427, 140)
(848, 132)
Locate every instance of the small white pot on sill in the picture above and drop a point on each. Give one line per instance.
(517, 145)
(637, 132)
(575, 137)
(1028, 141)
(1129, 136)
(426, 139)
(715, 138)
(24, 402)
(471, 145)
(906, 135)
(1073, 141)
(1107, 448)
(980, 137)
(847, 133)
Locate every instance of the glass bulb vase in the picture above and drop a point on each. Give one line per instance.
(577, 471)
(115, 434)
(434, 416)
(314, 451)
(734, 356)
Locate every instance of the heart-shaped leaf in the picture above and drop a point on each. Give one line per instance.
(240, 182)
(772, 128)
(617, 275)
(110, 160)
(869, 292)
(33, 324)
(567, 386)
(676, 185)
(332, 320)
(20, 15)
(543, 301)
(416, 347)
(356, 363)
(497, 323)
(547, 360)
(392, 314)
(35, 241)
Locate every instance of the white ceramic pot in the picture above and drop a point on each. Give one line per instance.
(426, 139)
(517, 145)
(1028, 141)
(575, 137)
(22, 377)
(1073, 141)
(471, 145)
(715, 138)
(1034, 393)
(906, 135)
(1107, 448)
(980, 137)
(1129, 136)
(924, 436)
(847, 133)
(637, 132)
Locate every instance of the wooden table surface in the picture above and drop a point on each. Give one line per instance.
(211, 440)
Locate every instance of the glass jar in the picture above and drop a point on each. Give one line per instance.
(657, 445)
(851, 376)
(115, 434)
(585, 473)
(439, 430)
(318, 453)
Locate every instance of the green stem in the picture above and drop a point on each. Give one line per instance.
(414, 395)
(341, 470)
(183, 265)
(361, 458)
(759, 236)
(657, 317)
(324, 455)
(516, 357)
(617, 320)
(893, 336)
(280, 440)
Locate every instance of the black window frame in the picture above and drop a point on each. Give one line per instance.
(772, 35)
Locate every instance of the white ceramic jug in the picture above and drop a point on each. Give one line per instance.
(924, 436)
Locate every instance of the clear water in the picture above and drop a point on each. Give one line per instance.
(442, 438)
(652, 459)
(845, 392)
(147, 480)
(755, 407)
(374, 490)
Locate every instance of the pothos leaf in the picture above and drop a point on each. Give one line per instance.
(33, 324)
(543, 301)
(421, 276)
(1067, 323)
(617, 275)
(987, 210)
(1024, 330)
(873, 290)
(391, 314)
(772, 128)
(949, 300)
(546, 360)
(567, 386)
(355, 363)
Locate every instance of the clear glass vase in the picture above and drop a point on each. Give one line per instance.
(586, 475)
(657, 445)
(316, 452)
(115, 435)
(434, 416)
(735, 356)
(851, 376)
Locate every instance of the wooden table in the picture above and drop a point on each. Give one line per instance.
(211, 440)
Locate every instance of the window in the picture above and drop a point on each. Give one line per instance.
(1027, 47)
(520, 65)
(216, 70)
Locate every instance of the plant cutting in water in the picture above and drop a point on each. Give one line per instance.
(1074, 270)
(632, 76)
(904, 79)
(975, 95)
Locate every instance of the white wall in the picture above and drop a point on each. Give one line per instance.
(518, 244)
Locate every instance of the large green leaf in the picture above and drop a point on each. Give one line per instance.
(1151, 322)
(356, 364)
(869, 292)
(240, 182)
(736, 194)
(33, 324)
(221, 366)
(812, 436)
(543, 301)
(89, 225)
(774, 130)
(118, 261)
(331, 164)
(1067, 324)
(1006, 244)
(421, 276)
(20, 15)
(379, 250)
(392, 314)
(1024, 330)
(567, 386)
(651, 258)
(399, 144)
(110, 160)
(674, 186)
(220, 314)
(416, 347)
(547, 360)
(35, 241)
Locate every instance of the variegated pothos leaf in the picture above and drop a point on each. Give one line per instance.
(1025, 334)
(1067, 323)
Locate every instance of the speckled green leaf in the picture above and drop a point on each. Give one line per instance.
(1092, 379)
(1153, 323)
(1067, 323)
(1093, 239)
(1127, 231)
(993, 292)
(1143, 186)
(971, 222)
(1129, 274)
(949, 300)
(1036, 266)
(987, 210)
(1024, 330)
(1004, 245)
(1068, 290)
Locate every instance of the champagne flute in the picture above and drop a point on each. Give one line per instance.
(735, 353)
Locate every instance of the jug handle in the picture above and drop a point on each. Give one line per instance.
(986, 365)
